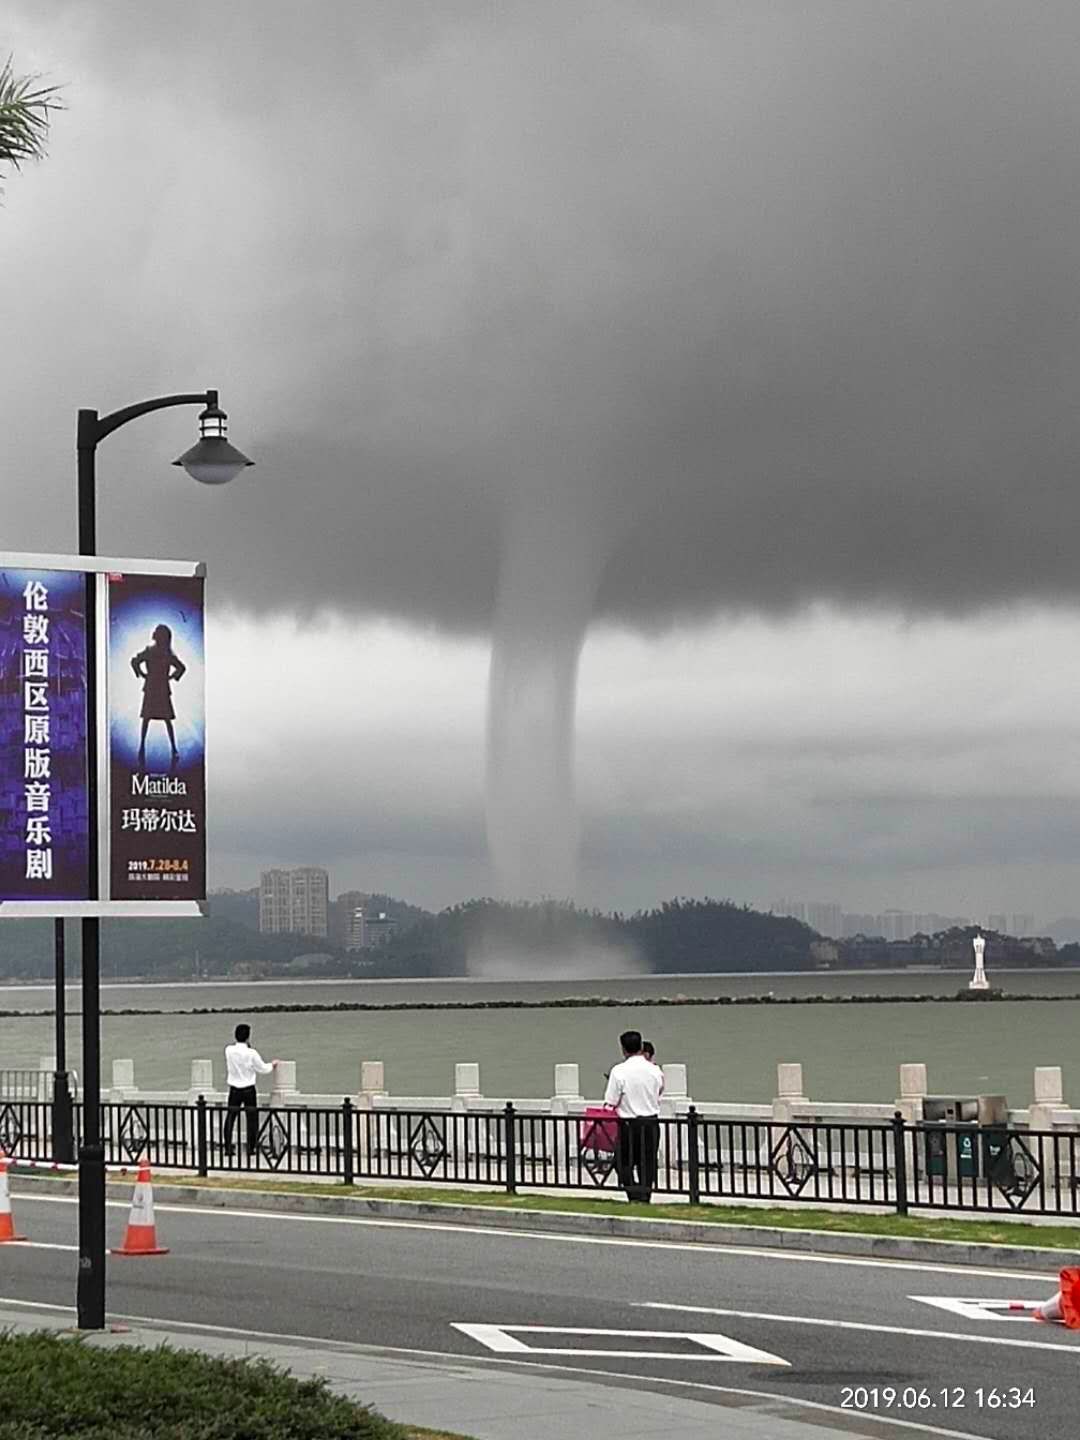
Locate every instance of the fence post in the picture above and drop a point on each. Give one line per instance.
(900, 1162)
(694, 1157)
(347, 1140)
(63, 1121)
(510, 1148)
(200, 1136)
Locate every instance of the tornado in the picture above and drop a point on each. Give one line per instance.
(550, 566)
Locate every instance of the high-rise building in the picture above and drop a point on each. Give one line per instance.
(790, 909)
(1022, 925)
(822, 916)
(342, 911)
(859, 923)
(897, 924)
(294, 901)
(275, 901)
(825, 918)
(933, 923)
(1000, 923)
(369, 932)
(310, 901)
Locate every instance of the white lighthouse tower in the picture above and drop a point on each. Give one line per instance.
(979, 981)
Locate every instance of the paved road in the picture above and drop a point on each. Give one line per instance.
(816, 1329)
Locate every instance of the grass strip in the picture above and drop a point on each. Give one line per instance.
(1005, 1231)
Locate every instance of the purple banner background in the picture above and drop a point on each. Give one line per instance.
(157, 701)
(44, 836)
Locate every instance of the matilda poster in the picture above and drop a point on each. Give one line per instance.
(44, 824)
(157, 737)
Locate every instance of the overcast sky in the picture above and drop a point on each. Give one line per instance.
(779, 302)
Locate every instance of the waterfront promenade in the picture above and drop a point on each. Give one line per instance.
(923, 1152)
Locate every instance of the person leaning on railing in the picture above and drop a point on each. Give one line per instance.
(243, 1063)
(633, 1091)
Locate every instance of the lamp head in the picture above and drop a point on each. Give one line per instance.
(212, 460)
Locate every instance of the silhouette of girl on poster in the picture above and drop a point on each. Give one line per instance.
(157, 667)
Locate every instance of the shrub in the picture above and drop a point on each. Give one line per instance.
(56, 1387)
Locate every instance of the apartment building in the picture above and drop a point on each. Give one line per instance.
(294, 901)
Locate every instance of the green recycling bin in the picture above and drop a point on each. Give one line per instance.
(954, 1153)
(950, 1151)
(997, 1155)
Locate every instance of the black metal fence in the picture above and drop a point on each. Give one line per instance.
(894, 1165)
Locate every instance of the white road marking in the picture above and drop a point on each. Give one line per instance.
(981, 1309)
(859, 1325)
(40, 1245)
(446, 1228)
(500, 1338)
(544, 1367)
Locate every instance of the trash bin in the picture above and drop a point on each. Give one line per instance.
(996, 1152)
(952, 1153)
(948, 1150)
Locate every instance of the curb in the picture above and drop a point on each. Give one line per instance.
(564, 1222)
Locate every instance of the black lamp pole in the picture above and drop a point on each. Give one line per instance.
(62, 1126)
(92, 429)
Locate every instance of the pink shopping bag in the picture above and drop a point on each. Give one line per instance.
(599, 1129)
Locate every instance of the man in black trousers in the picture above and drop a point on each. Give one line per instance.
(243, 1063)
(633, 1090)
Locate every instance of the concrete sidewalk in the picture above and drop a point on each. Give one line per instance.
(504, 1401)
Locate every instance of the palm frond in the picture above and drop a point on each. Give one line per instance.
(25, 108)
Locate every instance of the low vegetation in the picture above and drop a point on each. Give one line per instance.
(53, 1385)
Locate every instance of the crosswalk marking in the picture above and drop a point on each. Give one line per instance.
(502, 1339)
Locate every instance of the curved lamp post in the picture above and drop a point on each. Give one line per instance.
(211, 461)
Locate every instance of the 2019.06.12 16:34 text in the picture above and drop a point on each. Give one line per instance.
(948, 1397)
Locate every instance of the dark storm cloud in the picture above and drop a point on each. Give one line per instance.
(326, 833)
(898, 835)
(916, 832)
(781, 299)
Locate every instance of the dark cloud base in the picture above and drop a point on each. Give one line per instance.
(781, 303)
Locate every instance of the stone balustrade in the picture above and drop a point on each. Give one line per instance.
(733, 1134)
(1048, 1110)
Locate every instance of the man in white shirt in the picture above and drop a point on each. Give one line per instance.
(634, 1091)
(242, 1064)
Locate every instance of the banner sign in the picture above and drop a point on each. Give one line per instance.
(44, 818)
(147, 678)
(157, 737)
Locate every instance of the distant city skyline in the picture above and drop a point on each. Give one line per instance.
(894, 923)
(287, 898)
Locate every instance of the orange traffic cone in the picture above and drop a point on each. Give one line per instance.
(7, 1220)
(1064, 1307)
(140, 1238)
(1070, 1297)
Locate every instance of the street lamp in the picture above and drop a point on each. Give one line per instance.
(212, 461)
